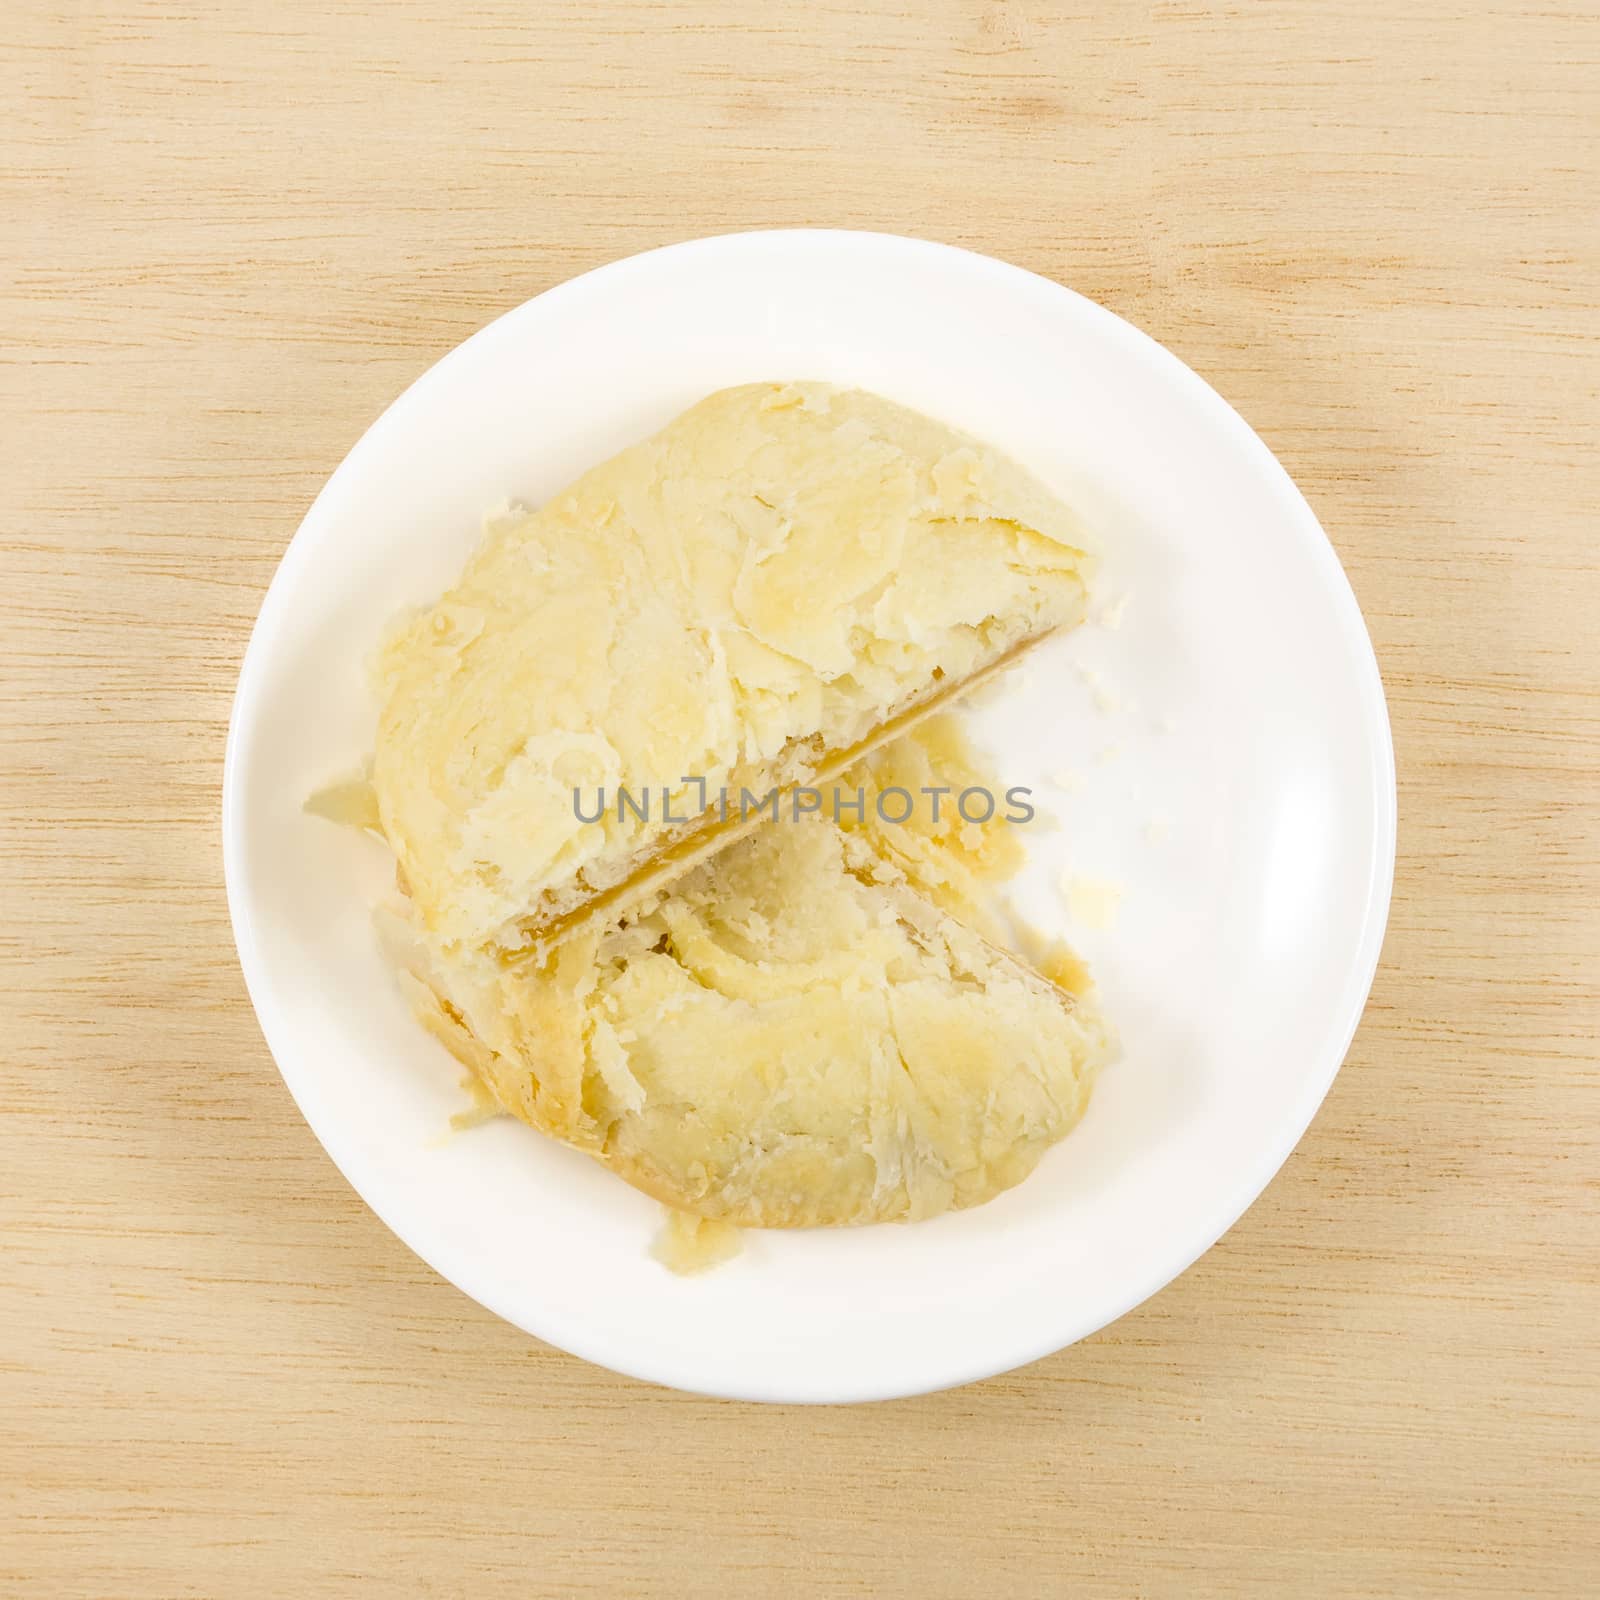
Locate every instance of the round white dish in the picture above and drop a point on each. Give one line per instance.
(1227, 761)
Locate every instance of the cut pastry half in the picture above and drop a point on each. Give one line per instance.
(792, 1037)
(776, 582)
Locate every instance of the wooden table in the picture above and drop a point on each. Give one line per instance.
(233, 231)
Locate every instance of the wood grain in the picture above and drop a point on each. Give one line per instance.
(232, 232)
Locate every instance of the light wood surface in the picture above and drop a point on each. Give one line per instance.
(232, 232)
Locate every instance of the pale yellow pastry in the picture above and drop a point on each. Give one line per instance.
(688, 1244)
(776, 1023)
(751, 597)
(792, 1036)
(953, 862)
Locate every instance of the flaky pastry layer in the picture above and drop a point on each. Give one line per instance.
(791, 1037)
(750, 597)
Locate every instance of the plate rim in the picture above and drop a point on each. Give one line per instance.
(1360, 969)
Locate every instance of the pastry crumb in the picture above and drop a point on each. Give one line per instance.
(688, 1244)
(1105, 699)
(352, 804)
(1110, 613)
(484, 1107)
(1065, 969)
(1092, 902)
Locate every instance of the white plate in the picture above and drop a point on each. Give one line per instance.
(1251, 726)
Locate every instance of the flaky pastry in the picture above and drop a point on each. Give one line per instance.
(750, 598)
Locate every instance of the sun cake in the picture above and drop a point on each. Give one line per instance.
(781, 578)
(792, 1036)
